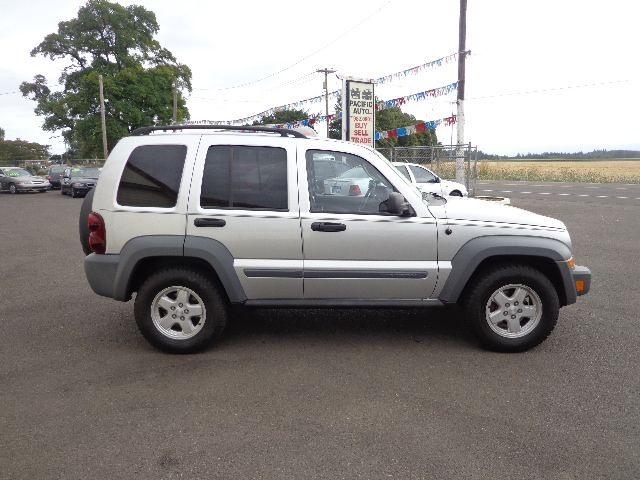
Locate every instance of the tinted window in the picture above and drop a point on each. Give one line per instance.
(152, 175)
(245, 177)
(360, 188)
(58, 169)
(422, 175)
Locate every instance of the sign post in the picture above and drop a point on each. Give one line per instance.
(358, 111)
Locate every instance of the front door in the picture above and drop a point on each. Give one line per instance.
(353, 248)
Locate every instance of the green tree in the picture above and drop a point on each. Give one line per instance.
(1, 134)
(12, 150)
(283, 116)
(390, 118)
(118, 43)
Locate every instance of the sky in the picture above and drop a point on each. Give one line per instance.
(544, 75)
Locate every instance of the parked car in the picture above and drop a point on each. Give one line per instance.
(427, 181)
(354, 182)
(54, 175)
(191, 220)
(17, 179)
(78, 181)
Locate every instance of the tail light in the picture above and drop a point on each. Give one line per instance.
(49, 177)
(97, 233)
(354, 190)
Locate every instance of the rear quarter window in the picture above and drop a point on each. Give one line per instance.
(151, 176)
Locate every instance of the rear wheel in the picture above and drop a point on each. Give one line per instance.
(512, 308)
(180, 310)
(456, 193)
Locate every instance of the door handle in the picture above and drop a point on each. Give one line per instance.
(209, 222)
(328, 227)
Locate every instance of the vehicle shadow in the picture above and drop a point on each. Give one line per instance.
(446, 325)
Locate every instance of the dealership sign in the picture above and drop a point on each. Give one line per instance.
(358, 102)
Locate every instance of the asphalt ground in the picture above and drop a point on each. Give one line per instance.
(290, 394)
(610, 193)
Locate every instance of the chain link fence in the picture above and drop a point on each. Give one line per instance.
(441, 159)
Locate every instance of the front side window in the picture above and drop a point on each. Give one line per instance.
(245, 177)
(151, 177)
(422, 175)
(355, 187)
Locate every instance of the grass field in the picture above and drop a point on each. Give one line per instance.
(585, 171)
(592, 171)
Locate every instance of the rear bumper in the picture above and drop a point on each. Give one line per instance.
(101, 272)
(581, 280)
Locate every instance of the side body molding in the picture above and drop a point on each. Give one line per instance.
(471, 254)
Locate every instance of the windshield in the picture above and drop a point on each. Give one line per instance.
(17, 172)
(86, 172)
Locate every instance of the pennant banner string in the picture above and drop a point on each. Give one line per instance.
(333, 95)
(395, 102)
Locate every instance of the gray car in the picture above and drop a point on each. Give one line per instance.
(17, 179)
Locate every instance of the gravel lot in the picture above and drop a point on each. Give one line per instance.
(293, 394)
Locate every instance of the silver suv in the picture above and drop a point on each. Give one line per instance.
(193, 219)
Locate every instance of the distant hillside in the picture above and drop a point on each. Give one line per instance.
(596, 154)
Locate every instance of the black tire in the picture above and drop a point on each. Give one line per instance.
(83, 227)
(12, 189)
(456, 193)
(478, 308)
(209, 293)
(62, 191)
(74, 194)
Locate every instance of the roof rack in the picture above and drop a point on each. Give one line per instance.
(284, 132)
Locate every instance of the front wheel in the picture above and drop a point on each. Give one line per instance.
(13, 189)
(180, 310)
(512, 308)
(456, 193)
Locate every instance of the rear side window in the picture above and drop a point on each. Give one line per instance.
(151, 177)
(245, 177)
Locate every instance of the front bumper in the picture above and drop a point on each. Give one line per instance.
(32, 187)
(581, 280)
(81, 190)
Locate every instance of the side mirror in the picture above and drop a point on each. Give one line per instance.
(397, 206)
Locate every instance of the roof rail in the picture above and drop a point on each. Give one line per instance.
(284, 132)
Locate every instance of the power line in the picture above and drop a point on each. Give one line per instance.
(318, 50)
(553, 89)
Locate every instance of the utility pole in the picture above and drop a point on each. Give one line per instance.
(462, 36)
(326, 72)
(175, 103)
(103, 119)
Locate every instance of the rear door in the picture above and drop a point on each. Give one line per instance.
(244, 196)
(353, 248)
